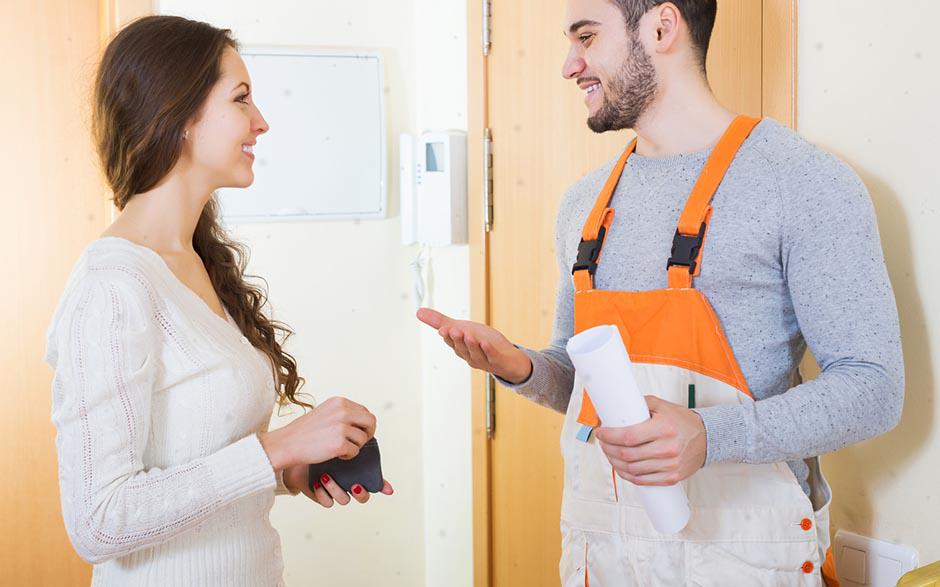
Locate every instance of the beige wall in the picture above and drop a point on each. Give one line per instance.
(869, 89)
(441, 99)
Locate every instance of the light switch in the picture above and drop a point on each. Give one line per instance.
(886, 570)
(852, 566)
(867, 562)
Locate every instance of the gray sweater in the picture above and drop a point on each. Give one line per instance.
(793, 259)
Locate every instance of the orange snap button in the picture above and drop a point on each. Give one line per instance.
(808, 567)
(806, 524)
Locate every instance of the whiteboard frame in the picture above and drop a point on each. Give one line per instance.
(308, 51)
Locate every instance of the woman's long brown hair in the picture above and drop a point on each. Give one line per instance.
(154, 78)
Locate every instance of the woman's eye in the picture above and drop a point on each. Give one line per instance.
(243, 99)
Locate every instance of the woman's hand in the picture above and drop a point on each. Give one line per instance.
(336, 428)
(326, 492)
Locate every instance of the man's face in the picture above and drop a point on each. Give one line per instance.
(609, 63)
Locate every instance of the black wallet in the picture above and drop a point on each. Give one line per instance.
(364, 469)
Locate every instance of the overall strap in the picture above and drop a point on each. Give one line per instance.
(596, 227)
(686, 259)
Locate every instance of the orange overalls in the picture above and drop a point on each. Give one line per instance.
(750, 524)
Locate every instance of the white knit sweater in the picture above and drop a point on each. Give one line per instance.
(157, 402)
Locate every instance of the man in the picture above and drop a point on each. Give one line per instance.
(771, 246)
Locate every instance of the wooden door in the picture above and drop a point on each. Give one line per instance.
(541, 145)
(54, 203)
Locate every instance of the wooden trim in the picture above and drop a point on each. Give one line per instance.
(779, 44)
(117, 13)
(112, 16)
(479, 288)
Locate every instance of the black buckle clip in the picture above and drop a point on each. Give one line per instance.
(685, 249)
(588, 252)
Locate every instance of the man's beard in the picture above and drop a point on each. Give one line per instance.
(629, 93)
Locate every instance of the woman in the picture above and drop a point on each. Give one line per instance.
(166, 368)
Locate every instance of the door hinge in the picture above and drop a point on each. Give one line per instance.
(487, 180)
(490, 406)
(487, 26)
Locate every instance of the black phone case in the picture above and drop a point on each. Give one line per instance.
(364, 469)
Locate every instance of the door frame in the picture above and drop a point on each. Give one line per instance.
(778, 100)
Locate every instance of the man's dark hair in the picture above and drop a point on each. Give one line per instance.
(699, 14)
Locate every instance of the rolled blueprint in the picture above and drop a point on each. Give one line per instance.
(604, 368)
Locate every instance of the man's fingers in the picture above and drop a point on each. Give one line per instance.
(488, 351)
(445, 335)
(644, 452)
(629, 436)
(459, 345)
(643, 468)
(465, 345)
(457, 335)
(476, 353)
(432, 318)
(655, 479)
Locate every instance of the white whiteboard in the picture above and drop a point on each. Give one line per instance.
(324, 156)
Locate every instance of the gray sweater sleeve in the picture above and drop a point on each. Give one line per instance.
(845, 307)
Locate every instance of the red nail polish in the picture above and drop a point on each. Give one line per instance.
(357, 489)
(325, 478)
(316, 485)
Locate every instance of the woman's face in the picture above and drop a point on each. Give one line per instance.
(221, 139)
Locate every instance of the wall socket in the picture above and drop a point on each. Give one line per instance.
(866, 562)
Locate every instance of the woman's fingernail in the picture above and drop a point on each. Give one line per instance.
(325, 478)
(357, 489)
(316, 485)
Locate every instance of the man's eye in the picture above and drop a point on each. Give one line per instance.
(585, 37)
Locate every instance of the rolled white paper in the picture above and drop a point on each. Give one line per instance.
(604, 368)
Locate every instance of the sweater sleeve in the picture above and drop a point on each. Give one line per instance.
(845, 307)
(103, 347)
(281, 488)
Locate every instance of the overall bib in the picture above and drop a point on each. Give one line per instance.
(750, 525)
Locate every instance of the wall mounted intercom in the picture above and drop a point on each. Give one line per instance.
(434, 188)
